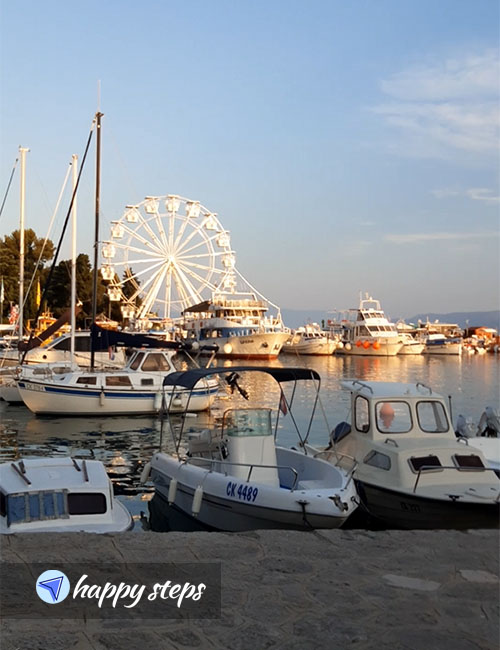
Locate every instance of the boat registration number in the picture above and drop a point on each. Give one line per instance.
(30, 386)
(243, 492)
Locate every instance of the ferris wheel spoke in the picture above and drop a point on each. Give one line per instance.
(159, 244)
(189, 285)
(206, 240)
(138, 274)
(192, 265)
(137, 249)
(191, 235)
(203, 280)
(207, 243)
(151, 295)
(136, 235)
(181, 232)
(187, 297)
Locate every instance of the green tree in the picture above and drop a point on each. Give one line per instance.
(9, 268)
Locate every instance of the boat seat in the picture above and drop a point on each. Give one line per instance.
(310, 485)
(340, 431)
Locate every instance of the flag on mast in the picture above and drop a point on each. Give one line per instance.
(283, 406)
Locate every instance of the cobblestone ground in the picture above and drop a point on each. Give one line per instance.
(290, 590)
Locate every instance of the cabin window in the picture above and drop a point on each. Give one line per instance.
(393, 417)
(89, 381)
(432, 417)
(36, 506)
(155, 362)
(147, 382)
(431, 463)
(86, 503)
(137, 361)
(375, 458)
(118, 380)
(468, 461)
(362, 414)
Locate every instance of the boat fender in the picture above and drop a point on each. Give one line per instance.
(102, 398)
(348, 346)
(197, 499)
(157, 401)
(145, 473)
(172, 491)
(177, 401)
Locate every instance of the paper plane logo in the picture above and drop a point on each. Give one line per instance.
(52, 586)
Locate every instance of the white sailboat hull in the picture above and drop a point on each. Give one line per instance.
(49, 398)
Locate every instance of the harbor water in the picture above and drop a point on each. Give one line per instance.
(126, 444)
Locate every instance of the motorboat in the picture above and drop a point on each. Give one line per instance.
(310, 340)
(366, 331)
(412, 472)
(60, 494)
(410, 345)
(238, 324)
(484, 436)
(135, 389)
(440, 344)
(236, 478)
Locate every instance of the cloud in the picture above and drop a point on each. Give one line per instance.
(482, 194)
(445, 107)
(474, 193)
(417, 238)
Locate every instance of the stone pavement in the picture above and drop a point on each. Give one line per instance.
(357, 589)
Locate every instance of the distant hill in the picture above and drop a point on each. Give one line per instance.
(462, 318)
(297, 317)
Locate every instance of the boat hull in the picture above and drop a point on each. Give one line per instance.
(262, 345)
(225, 508)
(443, 348)
(69, 400)
(410, 511)
(385, 349)
(313, 348)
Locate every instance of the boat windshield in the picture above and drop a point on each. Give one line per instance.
(247, 422)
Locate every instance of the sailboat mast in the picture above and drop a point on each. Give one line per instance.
(74, 164)
(96, 236)
(22, 151)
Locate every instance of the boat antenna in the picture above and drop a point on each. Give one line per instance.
(56, 255)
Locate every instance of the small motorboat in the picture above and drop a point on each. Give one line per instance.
(61, 494)
(412, 472)
(485, 436)
(310, 340)
(237, 478)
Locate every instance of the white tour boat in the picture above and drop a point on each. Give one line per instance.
(237, 323)
(366, 331)
(310, 340)
(412, 472)
(238, 479)
(61, 494)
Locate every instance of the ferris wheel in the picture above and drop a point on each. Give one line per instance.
(166, 254)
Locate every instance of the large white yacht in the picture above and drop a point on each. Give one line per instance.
(238, 324)
(366, 331)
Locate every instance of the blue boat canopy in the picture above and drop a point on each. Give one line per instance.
(189, 378)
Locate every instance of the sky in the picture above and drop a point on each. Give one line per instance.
(347, 146)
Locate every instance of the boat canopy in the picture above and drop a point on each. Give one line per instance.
(103, 338)
(189, 378)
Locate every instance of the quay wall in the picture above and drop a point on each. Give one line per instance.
(407, 590)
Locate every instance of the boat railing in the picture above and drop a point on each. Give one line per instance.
(328, 454)
(438, 468)
(251, 467)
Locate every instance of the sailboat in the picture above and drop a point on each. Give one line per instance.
(135, 389)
